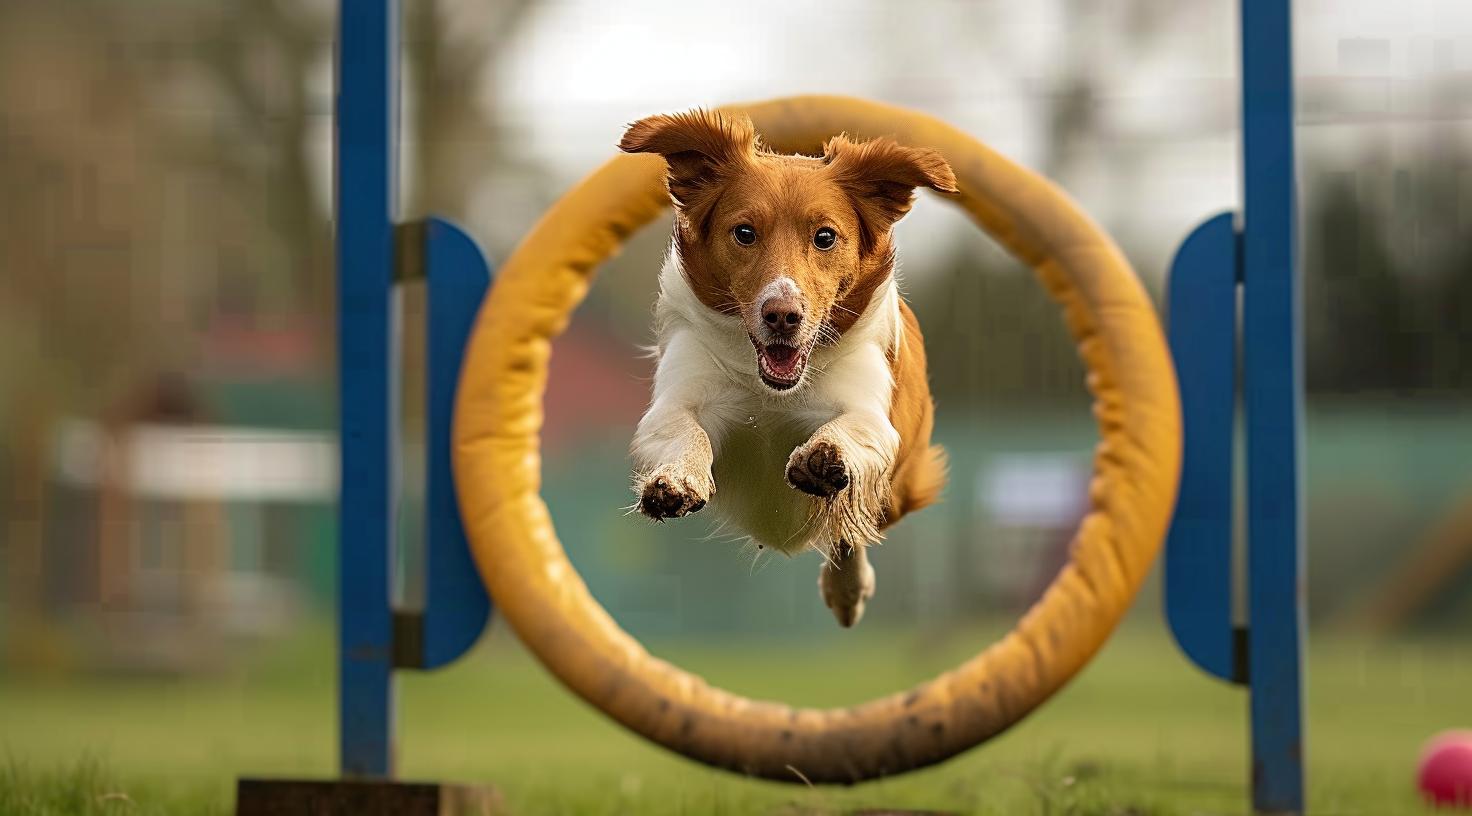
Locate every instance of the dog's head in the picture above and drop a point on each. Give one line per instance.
(792, 245)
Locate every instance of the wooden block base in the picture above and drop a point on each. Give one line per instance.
(364, 797)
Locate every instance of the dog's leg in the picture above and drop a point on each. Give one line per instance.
(846, 582)
(848, 461)
(671, 448)
(675, 475)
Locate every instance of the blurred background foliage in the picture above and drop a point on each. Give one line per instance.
(167, 275)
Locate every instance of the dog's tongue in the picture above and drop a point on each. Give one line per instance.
(782, 359)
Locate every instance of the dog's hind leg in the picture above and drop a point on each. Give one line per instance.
(846, 582)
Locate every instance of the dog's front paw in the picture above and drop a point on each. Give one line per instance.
(817, 468)
(666, 494)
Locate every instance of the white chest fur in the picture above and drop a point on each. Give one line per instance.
(707, 371)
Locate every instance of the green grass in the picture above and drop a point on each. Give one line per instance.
(1140, 732)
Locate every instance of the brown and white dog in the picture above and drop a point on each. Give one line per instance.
(790, 392)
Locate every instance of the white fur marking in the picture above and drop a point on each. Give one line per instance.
(707, 370)
(781, 287)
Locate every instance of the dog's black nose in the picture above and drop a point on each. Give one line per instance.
(782, 315)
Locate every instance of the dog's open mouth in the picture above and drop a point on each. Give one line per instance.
(781, 366)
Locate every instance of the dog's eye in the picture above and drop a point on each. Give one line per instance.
(825, 238)
(745, 234)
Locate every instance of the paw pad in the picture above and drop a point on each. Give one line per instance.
(819, 471)
(663, 499)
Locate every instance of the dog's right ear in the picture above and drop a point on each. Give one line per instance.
(699, 145)
(881, 175)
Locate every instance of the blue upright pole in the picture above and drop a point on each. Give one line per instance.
(1273, 400)
(367, 389)
(375, 255)
(1258, 258)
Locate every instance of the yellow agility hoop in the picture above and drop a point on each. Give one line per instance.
(498, 471)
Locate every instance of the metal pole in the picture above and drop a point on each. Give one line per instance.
(366, 137)
(1273, 398)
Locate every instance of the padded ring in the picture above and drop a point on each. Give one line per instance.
(1136, 467)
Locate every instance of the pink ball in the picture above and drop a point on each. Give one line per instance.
(1445, 775)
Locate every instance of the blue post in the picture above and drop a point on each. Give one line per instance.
(1260, 261)
(374, 257)
(1273, 398)
(367, 109)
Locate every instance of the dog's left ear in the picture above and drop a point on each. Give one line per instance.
(881, 176)
(699, 145)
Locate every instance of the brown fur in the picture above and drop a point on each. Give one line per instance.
(920, 467)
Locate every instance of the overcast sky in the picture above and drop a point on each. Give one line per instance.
(1162, 152)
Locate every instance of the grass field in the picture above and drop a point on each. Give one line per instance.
(1140, 732)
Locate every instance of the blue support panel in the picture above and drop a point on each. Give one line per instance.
(1202, 330)
(456, 604)
(368, 395)
(1273, 399)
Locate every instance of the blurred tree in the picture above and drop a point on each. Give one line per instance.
(1388, 277)
(260, 60)
(167, 168)
(450, 135)
(157, 178)
(451, 129)
(995, 338)
(1357, 306)
(94, 298)
(998, 338)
